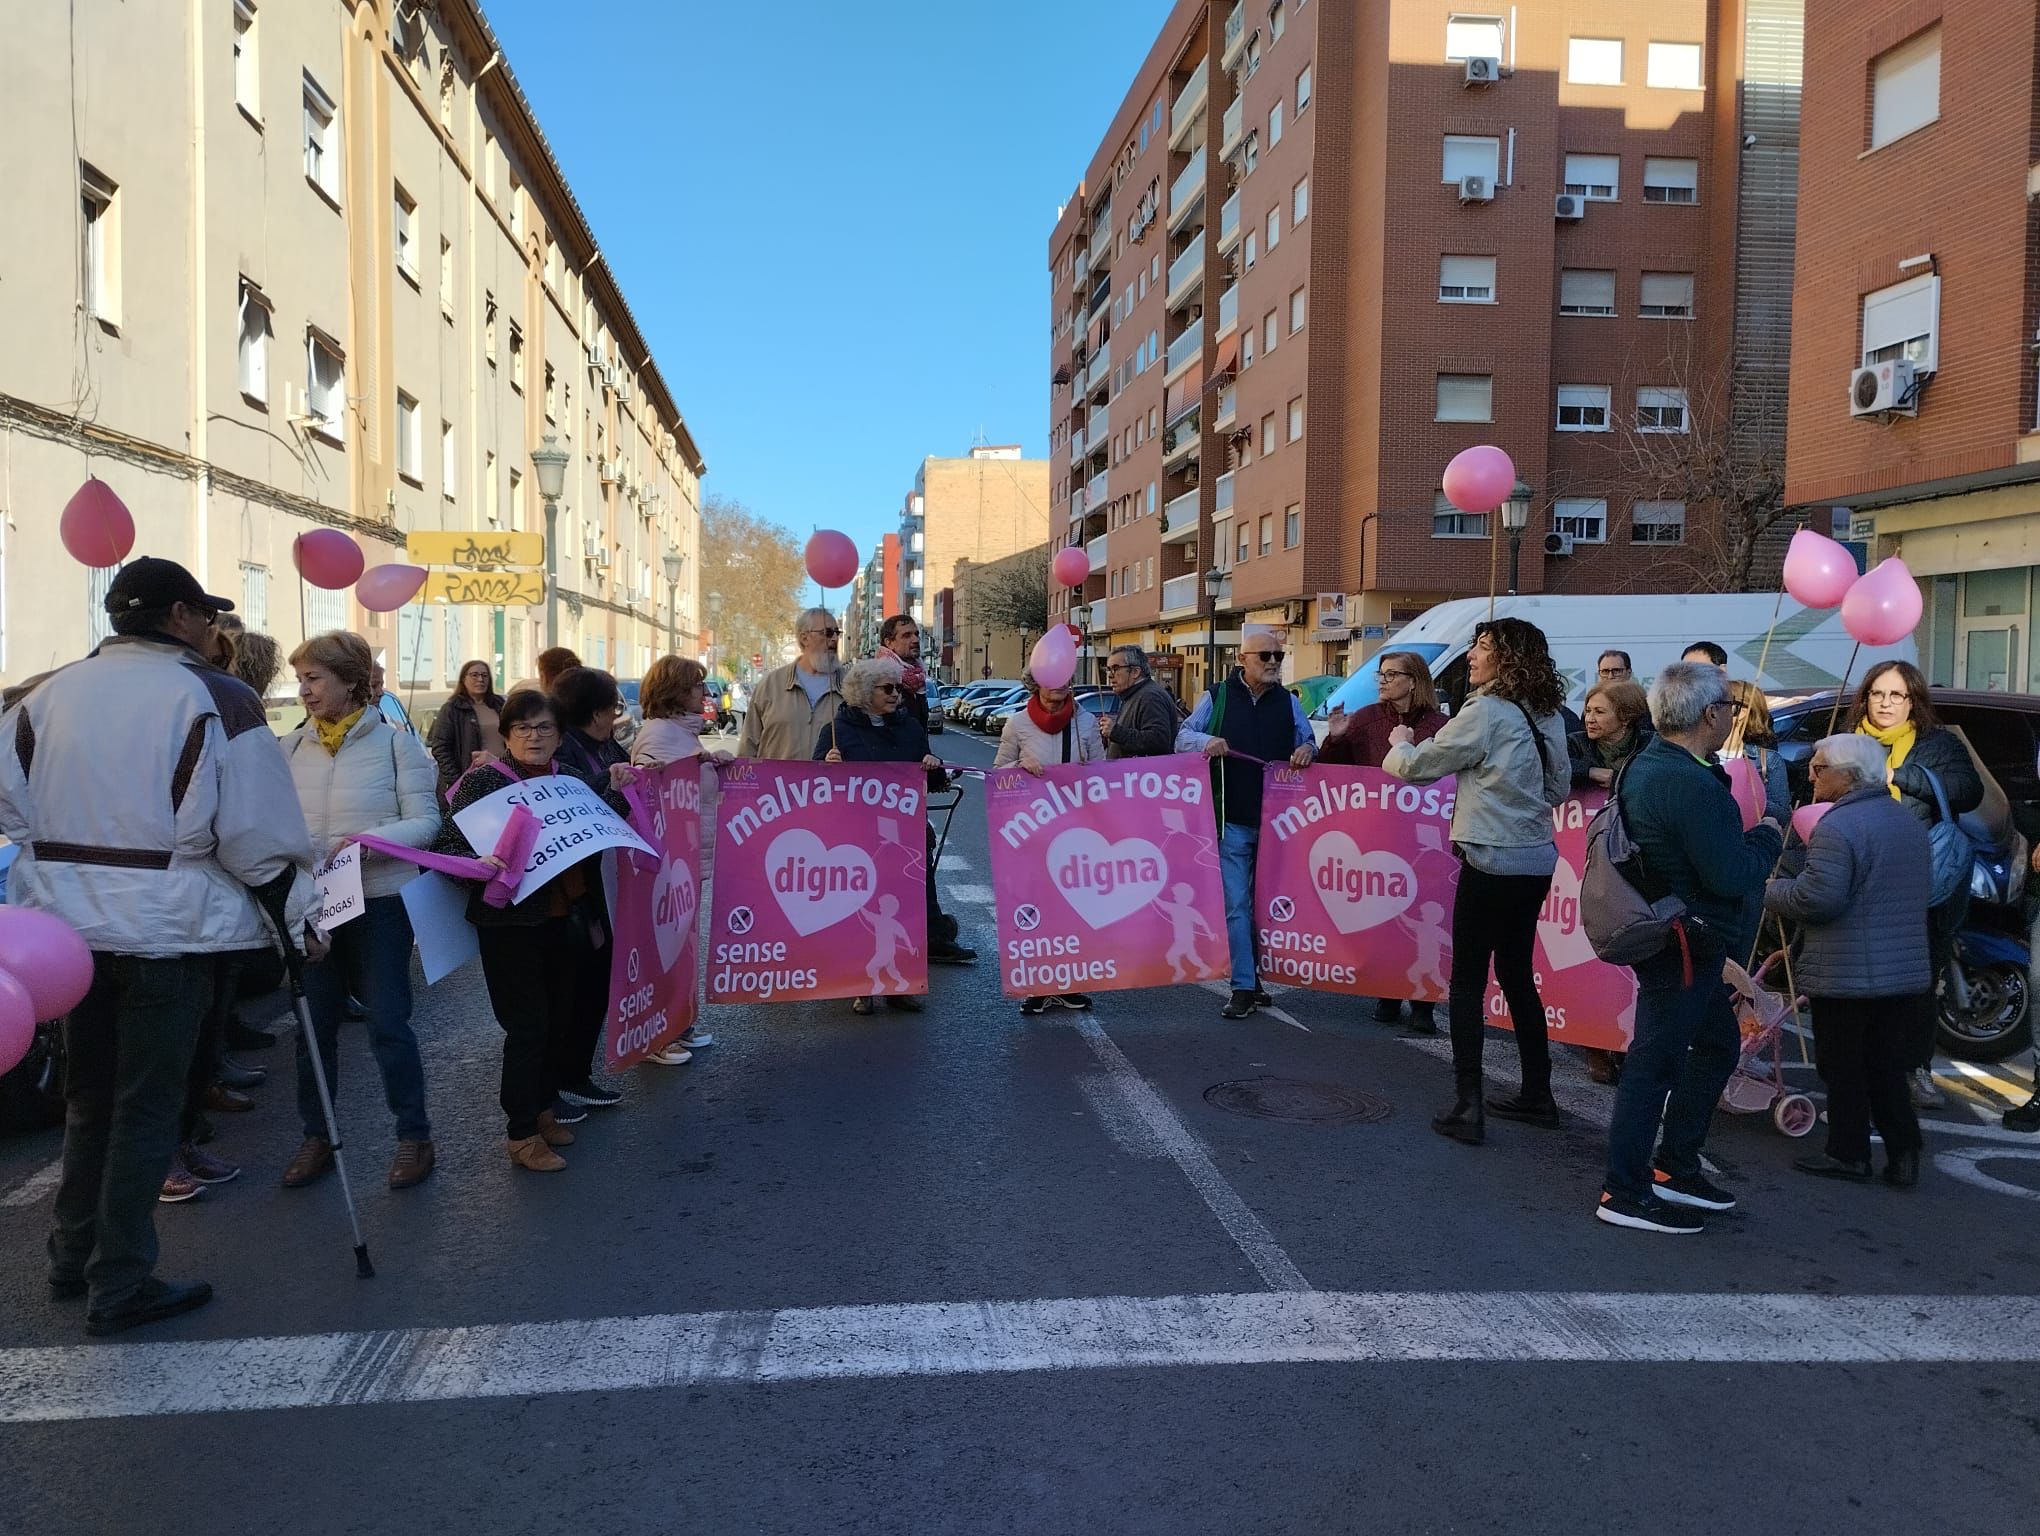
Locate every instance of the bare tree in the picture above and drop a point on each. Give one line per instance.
(1011, 593)
(756, 568)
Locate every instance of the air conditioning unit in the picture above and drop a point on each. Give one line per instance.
(1476, 189)
(622, 390)
(606, 471)
(1884, 388)
(609, 375)
(591, 545)
(1483, 71)
(1569, 208)
(1558, 545)
(601, 559)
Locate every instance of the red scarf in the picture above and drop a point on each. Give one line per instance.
(913, 679)
(1050, 722)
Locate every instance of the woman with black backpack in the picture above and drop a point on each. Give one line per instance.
(1507, 746)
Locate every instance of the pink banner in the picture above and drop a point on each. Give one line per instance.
(820, 882)
(1355, 884)
(655, 962)
(1106, 876)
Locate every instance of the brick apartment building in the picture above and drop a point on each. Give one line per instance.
(873, 596)
(974, 510)
(1326, 246)
(1919, 263)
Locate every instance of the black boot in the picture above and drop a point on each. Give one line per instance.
(1902, 1169)
(1423, 1020)
(1466, 1120)
(2026, 1117)
(1537, 1110)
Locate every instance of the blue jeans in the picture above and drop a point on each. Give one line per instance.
(1685, 1047)
(371, 960)
(1236, 851)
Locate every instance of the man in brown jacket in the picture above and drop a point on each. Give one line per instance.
(793, 705)
(1145, 719)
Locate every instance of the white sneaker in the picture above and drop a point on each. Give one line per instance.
(674, 1055)
(1925, 1095)
(697, 1039)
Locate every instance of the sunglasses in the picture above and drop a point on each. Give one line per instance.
(885, 687)
(827, 634)
(1268, 656)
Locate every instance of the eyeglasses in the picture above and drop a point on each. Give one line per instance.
(1120, 666)
(1267, 656)
(885, 687)
(1613, 674)
(1817, 767)
(1408, 677)
(827, 634)
(1889, 695)
(534, 729)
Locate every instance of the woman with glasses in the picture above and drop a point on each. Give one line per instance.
(545, 959)
(1895, 708)
(871, 727)
(589, 708)
(1507, 748)
(1616, 717)
(465, 731)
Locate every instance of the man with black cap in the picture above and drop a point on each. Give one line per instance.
(147, 796)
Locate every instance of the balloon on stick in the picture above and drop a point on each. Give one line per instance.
(1818, 571)
(1884, 605)
(831, 558)
(1479, 479)
(1053, 661)
(47, 958)
(96, 526)
(328, 558)
(386, 588)
(1070, 567)
(17, 1022)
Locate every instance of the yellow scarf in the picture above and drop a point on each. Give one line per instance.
(1897, 742)
(333, 732)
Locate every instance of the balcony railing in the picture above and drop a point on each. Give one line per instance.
(1099, 426)
(1229, 223)
(1186, 269)
(1077, 444)
(1187, 189)
(1189, 104)
(1222, 507)
(1096, 550)
(1077, 503)
(1228, 407)
(1188, 347)
(1179, 517)
(1094, 490)
(1101, 365)
(1183, 435)
(1235, 33)
(1101, 245)
(1101, 294)
(1229, 128)
(1228, 310)
(1179, 594)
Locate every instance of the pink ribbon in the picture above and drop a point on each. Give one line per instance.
(520, 835)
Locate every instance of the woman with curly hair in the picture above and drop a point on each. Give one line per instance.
(1507, 745)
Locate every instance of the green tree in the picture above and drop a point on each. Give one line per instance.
(755, 567)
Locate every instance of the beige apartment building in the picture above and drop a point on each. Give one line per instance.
(978, 509)
(310, 263)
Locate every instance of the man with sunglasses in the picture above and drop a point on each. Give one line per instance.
(1246, 720)
(794, 705)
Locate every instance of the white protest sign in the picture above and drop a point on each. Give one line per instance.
(573, 823)
(438, 910)
(339, 889)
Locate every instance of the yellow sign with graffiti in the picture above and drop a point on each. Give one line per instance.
(487, 589)
(475, 551)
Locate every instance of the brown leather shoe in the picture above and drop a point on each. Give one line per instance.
(313, 1161)
(414, 1160)
(222, 1100)
(554, 1134)
(533, 1153)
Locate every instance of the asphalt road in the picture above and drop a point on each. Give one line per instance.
(964, 1272)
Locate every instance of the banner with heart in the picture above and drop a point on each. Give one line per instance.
(819, 884)
(1105, 876)
(655, 964)
(1354, 888)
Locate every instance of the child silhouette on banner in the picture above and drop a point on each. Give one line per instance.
(1432, 938)
(1186, 925)
(890, 933)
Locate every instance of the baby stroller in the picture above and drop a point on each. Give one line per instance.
(1758, 1082)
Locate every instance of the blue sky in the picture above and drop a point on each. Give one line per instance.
(832, 220)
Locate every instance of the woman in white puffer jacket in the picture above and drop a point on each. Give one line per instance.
(356, 774)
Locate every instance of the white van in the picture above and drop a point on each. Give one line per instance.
(1810, 651)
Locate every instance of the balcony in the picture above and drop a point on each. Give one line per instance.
(1228, 312)
(1100, 296)
(1228, 408)
(913, 578)
(1187, 191)
(1179, 594)
(1076, 445)
(1186, 274)
(1099, 427)
(1229, 129)
(1222, 507)
(1077, 504)
(1101, 245)
(1096, 550)
(1235, 36)
(1186, 348)
(1080, 271)
(1179, 518)
(1182, 438)
(1229, 223)
(1188, 108)
(1101, 367)
(1094, 490)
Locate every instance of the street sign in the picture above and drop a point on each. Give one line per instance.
(475, 550)
(486, 589)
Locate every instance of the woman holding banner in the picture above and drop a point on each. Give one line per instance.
(545, 959)
(590, 707)
(355, 773)
(1507, 747)
(672, 696)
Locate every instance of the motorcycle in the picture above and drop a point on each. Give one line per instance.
(1983, 997)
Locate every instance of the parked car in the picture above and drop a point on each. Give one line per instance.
(990, 716)
(977, 696)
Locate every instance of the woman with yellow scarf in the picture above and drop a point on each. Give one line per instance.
(1895, 708)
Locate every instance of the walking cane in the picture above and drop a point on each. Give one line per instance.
(273, 899)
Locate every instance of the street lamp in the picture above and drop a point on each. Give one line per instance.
(1515, 518)
(714, 627)
(550, 460)
(1213, 580)
(674, 564)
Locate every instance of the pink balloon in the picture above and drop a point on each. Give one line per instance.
(328, 558)
(1884, 605)
(1807, 817)
(17, 1023)
(386, 588)
(1071, 567)
(45, 956)
(96, 527)
(1818, 571)
(1054, 659)
(1747, 785)
(831, 558)
(1479, 479)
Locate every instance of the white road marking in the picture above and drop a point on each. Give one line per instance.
(144, 1380)
(1224, 989)
(1121, 1120)
(32, 1189)
(1152, 1110)
(968, 895)
(1962, 1163)
(953, 863)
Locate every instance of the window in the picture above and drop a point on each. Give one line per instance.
(1448, 522)
(1905, 87)
(1674, 66)
(326, 384)
(1583, 407)
(1466, 280)
(1247, 347)
(1299, 201)
(1473, 37)
(1296, 302)
(1296, 419)
(252, 351)
(1657, 522)
(1253, 65)
(1598, 178)
(1466, 397)
(322, 140)
(1302, 89)
(1253, 150)
(516, 501)
(1267, 533)
(1903, 321)
(254, 605)
(417, 630)
(1268, 333)
(488, 165)
(1586, 293)
(1246, 540)
(1593, 60)
(247, 65)
(1278, 23)
(1267, 434)
(1584, 517)
(1292, 525)
(1671, 181)
(1667, 296)
(446, 278)
(516, 207)
(325, 610)
(449, 461)
(1273, 231)
(1466, 156)
(1252, 246)
(489, 327)
(1275, 125)
(98, 622)
(410, 444)
(405, 228)
(1661, 410)
(491, 507)
(99, 249)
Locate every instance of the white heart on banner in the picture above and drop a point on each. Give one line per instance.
(1558, 925)
(816, 885)
(1359, 890)
(673, 910)
(1106, 881)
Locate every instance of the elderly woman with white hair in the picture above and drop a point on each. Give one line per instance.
(1862, 900)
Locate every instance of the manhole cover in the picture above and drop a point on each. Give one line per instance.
(1286, 1098)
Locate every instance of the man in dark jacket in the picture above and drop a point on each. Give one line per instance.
(1144, 721)
(1691, 844)
(900, 637)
